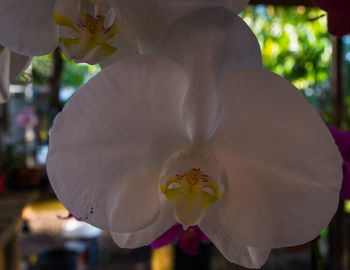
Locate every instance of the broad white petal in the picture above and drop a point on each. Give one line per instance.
(210, 41)
(239, 5)
(108, 145)
(284, 170)
(217, 42)
(4, 73)
(27, 27)
(144, 24)
(147, 235)
(19, 64)
(234, 250)
(149, 20)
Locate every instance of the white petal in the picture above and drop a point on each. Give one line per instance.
(211, 39)
(201, 109)
(147, 235)
(68, 8)
(210, 43)
(108, 144)
(149, 20)
(284, 170)
(4, 74)
(239, 5)
(144, 24)
(27, 27)
(234, 250)
(19, 64)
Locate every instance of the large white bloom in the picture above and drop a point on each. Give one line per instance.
(146, 144)
(210, 139)
(11, 66)
(90, 30)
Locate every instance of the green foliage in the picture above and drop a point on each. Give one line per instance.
(12, 160)
(346, 44)
(73, 75)
(295, 45)
(76, 75)
(42, 69)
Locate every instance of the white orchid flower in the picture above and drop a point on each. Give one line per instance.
(36, 27)
(160, 148)
(89, 30)
(131, 153)
(11, 66)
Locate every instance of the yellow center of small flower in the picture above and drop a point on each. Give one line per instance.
(191, 193)
(88, 36)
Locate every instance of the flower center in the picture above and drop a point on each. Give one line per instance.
(191, 193)
(193, 176)
(87, 35)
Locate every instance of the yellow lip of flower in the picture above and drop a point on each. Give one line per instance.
(89, 37)
(191, 193)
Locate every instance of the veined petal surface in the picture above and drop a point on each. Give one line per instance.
(4, 73)
(233, 249)
(108, 144)
(284, 170)
(27, 27)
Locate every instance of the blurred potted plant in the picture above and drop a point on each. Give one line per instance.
(28, 120)
(19, 165)
(16, 174)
